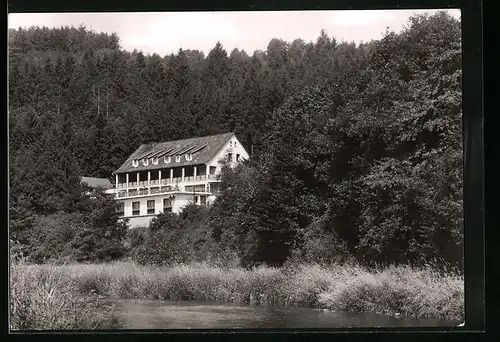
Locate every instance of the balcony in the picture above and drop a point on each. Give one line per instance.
(198, 178)
(175, 180)
(153, 191)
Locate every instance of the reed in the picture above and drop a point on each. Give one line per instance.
(395, 290)
(401, 290)
(43, 298)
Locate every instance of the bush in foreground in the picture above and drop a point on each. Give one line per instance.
(44, 299)
(398, 290)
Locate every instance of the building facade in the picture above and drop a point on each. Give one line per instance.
(160, 177)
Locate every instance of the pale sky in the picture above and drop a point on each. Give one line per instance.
(165, 32)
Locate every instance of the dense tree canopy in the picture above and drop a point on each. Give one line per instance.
(356, 149)
(369, 166)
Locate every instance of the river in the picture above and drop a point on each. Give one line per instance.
(166, 314)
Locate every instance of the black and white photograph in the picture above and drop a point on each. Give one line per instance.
(235, 170)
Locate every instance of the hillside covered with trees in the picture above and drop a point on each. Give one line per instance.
(356, 150)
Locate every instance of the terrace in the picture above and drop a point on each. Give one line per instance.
(165, 176)
(192, 179)
(140, 192)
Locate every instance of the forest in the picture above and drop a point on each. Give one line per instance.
(356, 149)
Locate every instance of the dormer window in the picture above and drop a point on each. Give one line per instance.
(155, 161)
(135, 163)
(177, 158)
(145, 162)
(167, 159)
(189, 156)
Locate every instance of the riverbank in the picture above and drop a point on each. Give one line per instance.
(396, 290)
(44, 298)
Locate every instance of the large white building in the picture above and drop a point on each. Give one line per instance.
(167, 176)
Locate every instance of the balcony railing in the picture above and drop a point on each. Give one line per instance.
(160, 191)
(168, 181)
(153, 191)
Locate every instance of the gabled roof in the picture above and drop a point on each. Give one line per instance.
(97, 182)
(204, 150)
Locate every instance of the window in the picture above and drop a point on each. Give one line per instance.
(145, 162)
(189, 156)
(235, 144)
(212, 170)
(155, 161)
(203, 200)
(195, 199)
(167, 205)
(237, 157)
(121, 209)
(230, 144)
(230, 156)
(135, 208)
(177, 158)
(199, 188)
(167, 160)
(135, 163)
(151, 207)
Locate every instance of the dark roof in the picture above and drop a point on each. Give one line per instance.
(97, 182)
(204, 149)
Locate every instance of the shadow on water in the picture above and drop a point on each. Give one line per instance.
(165, 314)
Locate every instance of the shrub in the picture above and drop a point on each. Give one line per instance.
(104, 239)
(93, 234)
(175, 238)
(52, 235)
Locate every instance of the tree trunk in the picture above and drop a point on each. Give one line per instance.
(98, 112)
(59, 99)
(107, 108)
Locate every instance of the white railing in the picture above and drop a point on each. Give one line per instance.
(167, 181)
(143, 192)
(153, 191)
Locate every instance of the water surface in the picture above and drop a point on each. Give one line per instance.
(167, 314)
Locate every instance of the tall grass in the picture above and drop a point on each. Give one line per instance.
(404, 290)
(43, 298)
(400, 290)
